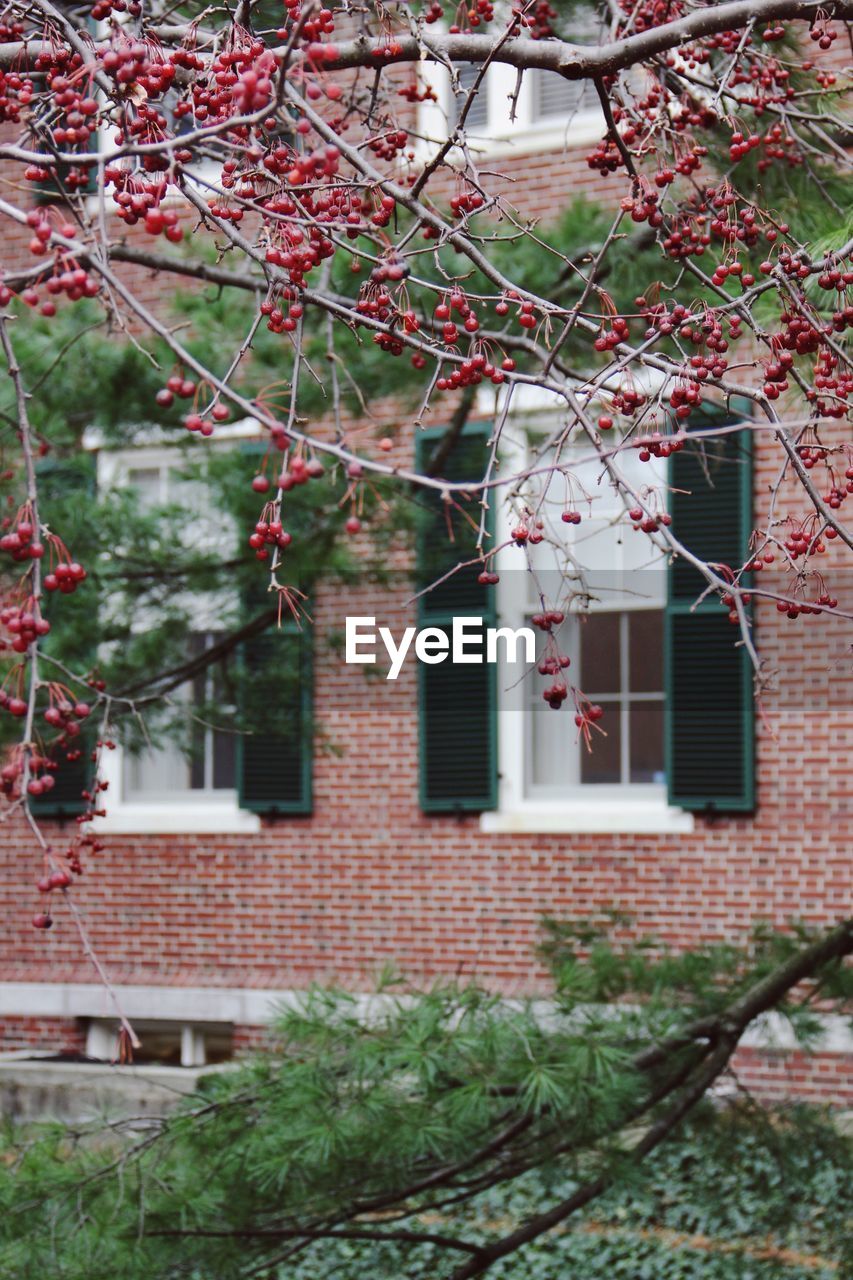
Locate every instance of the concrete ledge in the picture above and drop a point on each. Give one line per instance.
(246, 1006)
(74, 1091)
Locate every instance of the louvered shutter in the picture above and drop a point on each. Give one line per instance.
(72, 777)
(457, 704)
(556, 98)
(709, 704)
(274, 754)
(275, 747)
(66, 481)
(477, 119)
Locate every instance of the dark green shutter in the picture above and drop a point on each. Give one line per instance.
(275, 747)
(53, 190)
(457, 705)
(72, 778)
(65, 481)
(710, 733)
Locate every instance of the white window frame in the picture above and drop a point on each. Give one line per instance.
(584, 790)
(501, 135)
(635, 808)
(182, 812)
(102, 1039)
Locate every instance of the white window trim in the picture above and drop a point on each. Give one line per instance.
(154, 445)
(189, 813)
(196, 812)
(630, 810)
(102, 1041)
(587, 817)
(502, 136)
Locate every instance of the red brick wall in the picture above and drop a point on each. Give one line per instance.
(368, 878)
(778, 1075)
(61, 1035)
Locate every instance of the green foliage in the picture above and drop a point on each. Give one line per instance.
(600, 961)
(742, 1194)
(372, 1117)
(158, 572)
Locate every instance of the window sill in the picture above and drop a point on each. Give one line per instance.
(527, 139)
(548, 135)
(177, 819)
(625, 817)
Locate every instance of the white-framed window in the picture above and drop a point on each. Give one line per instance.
(617, 659)
(165, 788)
(167, 772)
(610, 583)
(168, 1043)
(549, 110)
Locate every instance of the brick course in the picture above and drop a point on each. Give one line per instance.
(368, 878)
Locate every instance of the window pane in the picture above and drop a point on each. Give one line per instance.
(599, 665)
(647, 742)
(602, 763)
(197, 760)
(224, 761)
(478, 112)
(198, 731)
(162, 770)
(645, 648)
(553, 753)
(554, 96)
(146, 481)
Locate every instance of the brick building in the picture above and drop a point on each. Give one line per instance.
(431, 821)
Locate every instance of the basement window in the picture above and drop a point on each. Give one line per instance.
(165, 1044)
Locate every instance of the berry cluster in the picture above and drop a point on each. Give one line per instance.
(823, 34)
(466, 202)
(587, 716)
(16, 90)
(21, 540)
(627, 400)
(684, 398)
(56, 880)
(609, 339)
(643, 523)
(141, 63)
(804, 607)
(644, 208)
(269, 532)
(64, 574)
(472, 371)
(553, 661)
(24, 624)
(176, 385)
